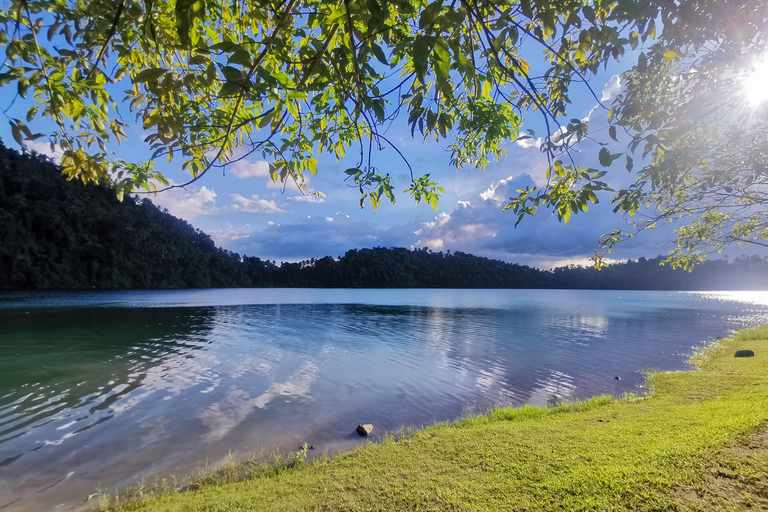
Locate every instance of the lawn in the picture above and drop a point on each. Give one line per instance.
(692, 443)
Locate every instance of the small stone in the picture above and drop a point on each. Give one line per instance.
(364, 430)
(617, 378)
(744, 353)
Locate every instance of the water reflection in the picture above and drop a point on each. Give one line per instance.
(99, 397)
(222, 416)
(67, 373)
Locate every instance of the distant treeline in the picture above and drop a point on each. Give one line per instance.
(57, 234)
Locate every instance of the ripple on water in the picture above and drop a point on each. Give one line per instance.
(99, 395)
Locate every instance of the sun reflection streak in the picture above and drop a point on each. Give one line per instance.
(755, 85)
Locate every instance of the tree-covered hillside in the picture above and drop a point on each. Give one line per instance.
(59, 234)
(63, 234)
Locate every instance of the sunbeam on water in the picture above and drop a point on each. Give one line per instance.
(99, 390)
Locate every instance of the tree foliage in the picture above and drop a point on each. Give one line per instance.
(213, 81)
(696, 126)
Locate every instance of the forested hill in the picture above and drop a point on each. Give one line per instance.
(62, 234)
(56, 234)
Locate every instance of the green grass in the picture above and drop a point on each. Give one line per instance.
(633, 453)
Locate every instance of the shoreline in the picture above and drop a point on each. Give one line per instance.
(650, 451)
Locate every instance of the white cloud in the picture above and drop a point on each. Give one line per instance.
(44, 148)
(308, 198)
(187, 203)
(254, 204)
(612, 88)
(441, 219)
(530, 142)
(446, 232)
(245, 169)
(221, 237)
(496, 192)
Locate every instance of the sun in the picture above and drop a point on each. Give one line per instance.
(755, 86)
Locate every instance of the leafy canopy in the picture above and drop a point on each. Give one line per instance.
(693, 112)
(214, 81)
(291, 79)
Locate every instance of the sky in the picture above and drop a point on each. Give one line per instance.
(245, 212)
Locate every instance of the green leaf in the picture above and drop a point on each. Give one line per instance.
(232, 74)
(633, 40)
(642, 63)
(378, 53)
(16, 132)
(430, 13)
(149, 74)
(421, 47)
(441, 63)
(241, 57)
(229, 89)
(283, 78)
(606, 158)
(267, 117)
(32, 112)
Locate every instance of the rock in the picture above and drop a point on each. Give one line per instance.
(364, 430)
(617, 378)
(744, 353)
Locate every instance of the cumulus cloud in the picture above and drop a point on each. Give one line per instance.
(223, 237)
(245, 169)
(527, 141)
(187, 203)
(480, 227)
(612, 88)
(497, 191)
(254, 204)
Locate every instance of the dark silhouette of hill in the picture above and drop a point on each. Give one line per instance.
(59, 234)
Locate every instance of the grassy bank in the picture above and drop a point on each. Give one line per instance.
(664, 451)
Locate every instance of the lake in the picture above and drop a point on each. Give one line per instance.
(101, 389)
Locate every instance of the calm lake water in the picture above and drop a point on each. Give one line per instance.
(101, 389)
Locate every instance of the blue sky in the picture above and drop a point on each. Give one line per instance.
(244, 211)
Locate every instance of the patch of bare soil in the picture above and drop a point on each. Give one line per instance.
(739, 482)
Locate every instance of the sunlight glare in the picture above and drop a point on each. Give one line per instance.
(756, 84)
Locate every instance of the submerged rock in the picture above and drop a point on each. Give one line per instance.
(744, 353)
(364, 430)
